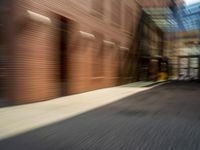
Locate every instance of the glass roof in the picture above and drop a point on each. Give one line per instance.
(182, 18)
(188, 2)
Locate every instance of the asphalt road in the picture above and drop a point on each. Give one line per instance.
(166, 117)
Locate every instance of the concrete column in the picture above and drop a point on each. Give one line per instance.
(179, 70)
(188, 71)
(199, 67)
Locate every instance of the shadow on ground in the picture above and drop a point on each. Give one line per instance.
(166, 117)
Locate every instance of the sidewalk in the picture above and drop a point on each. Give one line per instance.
(143, 83)
(22, 118)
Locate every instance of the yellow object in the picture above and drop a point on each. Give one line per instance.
(162, 76)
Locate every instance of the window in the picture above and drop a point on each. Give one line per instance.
(128, 19)
(98, 8)
(98, 57)
(116, 12)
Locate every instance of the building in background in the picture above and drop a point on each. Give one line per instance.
(151, 58)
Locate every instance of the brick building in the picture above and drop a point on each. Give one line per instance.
(53, 48)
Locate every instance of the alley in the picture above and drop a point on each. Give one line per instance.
(165, 117)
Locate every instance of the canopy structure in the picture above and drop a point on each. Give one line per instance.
(176, 18)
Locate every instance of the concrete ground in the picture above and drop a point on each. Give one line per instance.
(163, 117)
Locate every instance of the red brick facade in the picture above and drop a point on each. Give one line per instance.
(99, 52)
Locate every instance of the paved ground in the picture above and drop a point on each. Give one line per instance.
(165, 117)
(142, 84)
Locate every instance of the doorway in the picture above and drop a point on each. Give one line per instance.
(63, 26)
(189, 67)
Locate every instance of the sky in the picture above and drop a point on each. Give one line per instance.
(188, 2)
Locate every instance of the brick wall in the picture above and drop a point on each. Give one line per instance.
(98, 53)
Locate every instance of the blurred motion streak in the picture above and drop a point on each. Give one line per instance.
(53, 48)
(56, 48)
